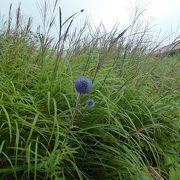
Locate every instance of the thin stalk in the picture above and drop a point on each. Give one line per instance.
(72, 120)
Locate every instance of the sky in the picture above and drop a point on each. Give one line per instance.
(165, 13)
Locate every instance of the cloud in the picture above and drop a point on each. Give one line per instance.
(165, 12)
(112, 12)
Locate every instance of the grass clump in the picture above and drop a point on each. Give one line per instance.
(47, 131)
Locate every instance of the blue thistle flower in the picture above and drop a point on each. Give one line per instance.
(90, 103)
(83, 85)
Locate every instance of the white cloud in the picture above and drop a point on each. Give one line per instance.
(165, 12)
(111, 12)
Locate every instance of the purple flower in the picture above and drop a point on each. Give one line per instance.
(83, 85)
(90, 103)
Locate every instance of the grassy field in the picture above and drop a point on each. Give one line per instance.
(47, 131)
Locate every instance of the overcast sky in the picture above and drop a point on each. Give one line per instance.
(166, 13)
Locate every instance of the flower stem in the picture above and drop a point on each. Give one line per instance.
(72, 120)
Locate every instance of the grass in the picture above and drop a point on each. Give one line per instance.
(132, 132)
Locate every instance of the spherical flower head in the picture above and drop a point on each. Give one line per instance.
(83, 85)
(90, 103)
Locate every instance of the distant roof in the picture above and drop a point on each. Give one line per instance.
(169, 49)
